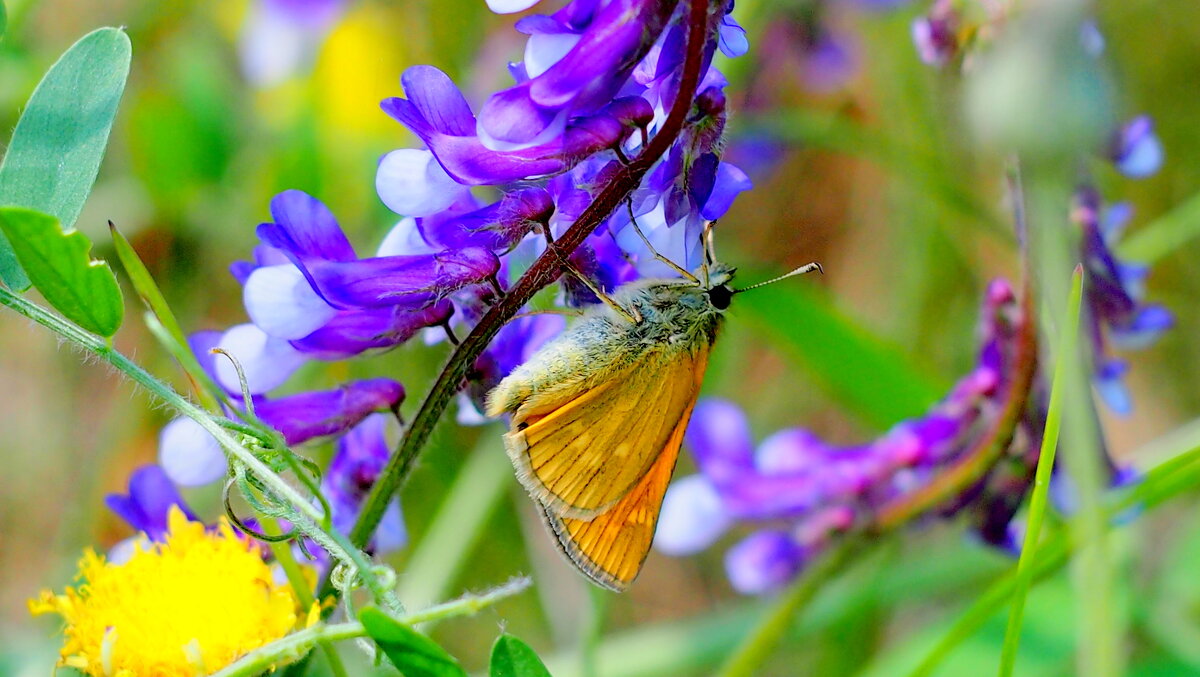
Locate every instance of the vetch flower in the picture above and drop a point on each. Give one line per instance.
(820, 490)
(151, 497)
(1114, 310)
(191, 604)
(936, 33)
(1135, 148)
(357, 462)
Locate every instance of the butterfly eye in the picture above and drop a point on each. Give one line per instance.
(720, 296)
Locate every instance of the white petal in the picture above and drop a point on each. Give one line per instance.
(267, 362)
(692, 517)
(404, 240)
(281, 302)
(543, 50)
(412, 183)
(510, 6)
(189, 454)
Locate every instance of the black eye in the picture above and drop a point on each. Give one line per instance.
(720, 296)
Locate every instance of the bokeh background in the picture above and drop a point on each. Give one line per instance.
(863, 162)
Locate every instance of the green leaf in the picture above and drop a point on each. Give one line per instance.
(57, 262)
(59, 141)
(412, 653)
(3, 19)
(873, 378)
(513, 658)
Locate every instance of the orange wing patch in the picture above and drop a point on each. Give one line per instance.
(611, 547)
(581, 457)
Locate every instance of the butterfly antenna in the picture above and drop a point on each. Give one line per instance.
(806, 268)
(646, 241)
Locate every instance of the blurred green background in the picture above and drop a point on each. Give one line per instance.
(882, 183)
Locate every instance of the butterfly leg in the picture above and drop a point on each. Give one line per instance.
(674, 266)
(630, 314)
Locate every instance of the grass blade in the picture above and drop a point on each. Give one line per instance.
(1041, 485)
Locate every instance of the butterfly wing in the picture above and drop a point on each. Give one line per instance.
(582, 452)
(611, 547)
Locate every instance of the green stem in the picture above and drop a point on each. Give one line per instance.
(762, 640)
(296, 645)
(1041, 482)
(299, 510)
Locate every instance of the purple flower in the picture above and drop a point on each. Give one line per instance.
(1135, 148)
(437, 113)
(151, 495)
(820, 490)
(936, 34)
(280, 37)
(576, 62)
(359, 459)
(1115, 312)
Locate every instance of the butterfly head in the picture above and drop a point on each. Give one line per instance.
(719, 293)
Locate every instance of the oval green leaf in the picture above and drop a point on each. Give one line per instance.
(414, 654)
(513, 658)
(59, 141)
(59, 264)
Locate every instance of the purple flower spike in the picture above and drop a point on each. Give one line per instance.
(360, 456)
(1135, 148)
(583, 80)
(409, 282)
(437, 112)
(764, 562)
(1113, 291)
(151, 495)
(307, 416)
(719, 437)
(693, 517)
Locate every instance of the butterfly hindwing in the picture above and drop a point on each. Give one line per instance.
(611, 547)
(580, 458)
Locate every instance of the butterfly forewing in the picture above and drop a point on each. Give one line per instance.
(582, 457)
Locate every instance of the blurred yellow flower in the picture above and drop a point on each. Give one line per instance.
(191, 605)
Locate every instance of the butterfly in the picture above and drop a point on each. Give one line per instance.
(598, 414)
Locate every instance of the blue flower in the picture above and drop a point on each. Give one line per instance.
(1114, 289)
(1135, 148)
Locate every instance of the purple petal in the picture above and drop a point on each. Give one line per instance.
(1111, 386)
(151, 495)
(189, 455)
(438, 101)
(510, 120)
(1144, 328)
(1136, 149)
(692, 517)
(266, 361)
(763, 562)
(729, 182)
(410, 282)
(719, 438)
(354, 332)
(545, 49)
(310, 228)
(312, 415)
(791, 451)
(281, 302)
(732, 38)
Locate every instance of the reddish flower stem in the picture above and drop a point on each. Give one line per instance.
(543, 272)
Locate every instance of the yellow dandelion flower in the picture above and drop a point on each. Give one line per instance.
(193, 604)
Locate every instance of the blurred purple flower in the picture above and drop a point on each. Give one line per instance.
(936, 34)
(359, 458)
(280, 37)
(151, 495)
(1135, 148)
(821, 490)
(1114, 289)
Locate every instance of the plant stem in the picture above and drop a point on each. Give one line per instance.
(763, 639)
(545, 270)
(297, 644)
(1041, 484)
(300, 511)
